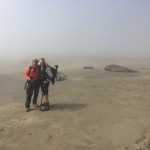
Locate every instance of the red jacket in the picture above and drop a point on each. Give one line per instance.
(34, 73)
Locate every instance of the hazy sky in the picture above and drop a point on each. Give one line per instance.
(57, 27)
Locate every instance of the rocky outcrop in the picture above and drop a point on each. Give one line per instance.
(117, 68)
(60, 76)
(88, 67)
(141, 144)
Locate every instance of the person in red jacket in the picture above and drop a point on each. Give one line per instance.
(32, 76)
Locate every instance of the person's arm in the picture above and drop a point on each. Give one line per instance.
(26, 74)
(49, 72)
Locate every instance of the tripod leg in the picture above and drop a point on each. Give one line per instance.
(41, 101)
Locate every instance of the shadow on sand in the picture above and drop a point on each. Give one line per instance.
(72, 106)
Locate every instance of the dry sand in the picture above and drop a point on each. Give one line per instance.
(90, 110)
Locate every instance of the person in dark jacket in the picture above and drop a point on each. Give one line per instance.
(45, 76)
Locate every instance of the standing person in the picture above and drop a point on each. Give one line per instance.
(45, 76)
(32, 75)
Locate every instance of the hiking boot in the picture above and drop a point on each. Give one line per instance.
(27, 109)
(43, 104)
(36, 105)
(47, 106)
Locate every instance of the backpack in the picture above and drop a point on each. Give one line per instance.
(54, 72)
(51, 76)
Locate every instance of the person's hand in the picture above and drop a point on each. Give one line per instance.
(30, 79)
(46, 81)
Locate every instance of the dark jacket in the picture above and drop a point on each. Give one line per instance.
(43, 73)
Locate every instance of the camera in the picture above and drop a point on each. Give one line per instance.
(31, 79)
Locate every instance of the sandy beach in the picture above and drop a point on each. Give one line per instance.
(92, 109)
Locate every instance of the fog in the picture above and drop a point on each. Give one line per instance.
(99, 28)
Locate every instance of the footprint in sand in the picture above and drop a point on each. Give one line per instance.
(49, 137)
(2, 129)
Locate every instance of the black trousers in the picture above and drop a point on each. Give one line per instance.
(32, 89)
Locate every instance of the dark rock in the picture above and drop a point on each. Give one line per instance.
(117, 68)
(88, 67)
(60, 76)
